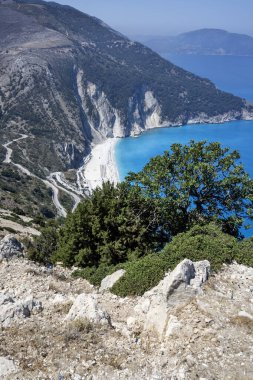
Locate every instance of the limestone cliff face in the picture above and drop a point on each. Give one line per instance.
(69, 81)
(143, 112)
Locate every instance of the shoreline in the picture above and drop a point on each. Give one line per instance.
(101, 166)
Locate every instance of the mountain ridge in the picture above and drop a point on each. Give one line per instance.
(206, 41)
(68, 82)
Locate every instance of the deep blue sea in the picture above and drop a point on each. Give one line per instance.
(233, 74)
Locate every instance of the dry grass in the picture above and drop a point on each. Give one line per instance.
(243, 322)
(54, 287)
(114, 361)
(77, 328)
(63, 308)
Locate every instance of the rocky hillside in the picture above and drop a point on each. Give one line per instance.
(203, 42)
(193, 325)
(68, 81)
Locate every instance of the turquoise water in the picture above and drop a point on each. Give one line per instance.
(232, 74)
(132, 153)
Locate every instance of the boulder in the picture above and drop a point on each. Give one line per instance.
(10, 247)
(11, 310)
(180, 276)
(86, 306)
(154, 311)
(6, 367)
(108, 282)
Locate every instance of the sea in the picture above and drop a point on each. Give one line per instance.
(229, 73)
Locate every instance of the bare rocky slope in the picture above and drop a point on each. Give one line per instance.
(68, 81)
(193, 325)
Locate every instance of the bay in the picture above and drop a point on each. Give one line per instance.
(233, 74)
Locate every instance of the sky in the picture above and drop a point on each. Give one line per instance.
(169, 17)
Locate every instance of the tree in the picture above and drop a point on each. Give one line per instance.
(113, 225)
(195, 183)
(44, 246)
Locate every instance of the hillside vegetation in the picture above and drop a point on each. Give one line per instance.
(190, 202)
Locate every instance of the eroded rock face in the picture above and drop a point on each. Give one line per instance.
(86, 306)
(10, 247)
(108, 282)
(153, 312)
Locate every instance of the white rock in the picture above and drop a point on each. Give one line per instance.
(109, 281)
(202, 273)
(152, 314)
(6, 367)
(76, 377)
(244, 314)
(182, 274)
(59, 298)
(173, 326)
(86, 306)
(131, 322)
(10, 247)
(5, 298)
(11, 310)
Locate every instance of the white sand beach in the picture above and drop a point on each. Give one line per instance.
(101, 165)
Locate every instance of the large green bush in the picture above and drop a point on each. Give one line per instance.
(112, 226)
(205, 242)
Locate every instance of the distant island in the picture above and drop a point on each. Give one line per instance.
(201, 42)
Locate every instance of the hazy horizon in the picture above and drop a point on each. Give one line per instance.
(169, 17)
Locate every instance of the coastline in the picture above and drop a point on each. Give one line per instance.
(101, 165)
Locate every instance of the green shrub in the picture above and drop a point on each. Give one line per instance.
(205, 242)
(47, 212)
(94, 275)
(142, 275)
(245, 252)
(43, 247)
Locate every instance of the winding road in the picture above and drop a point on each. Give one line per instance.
(7, 159)
(50, 182)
